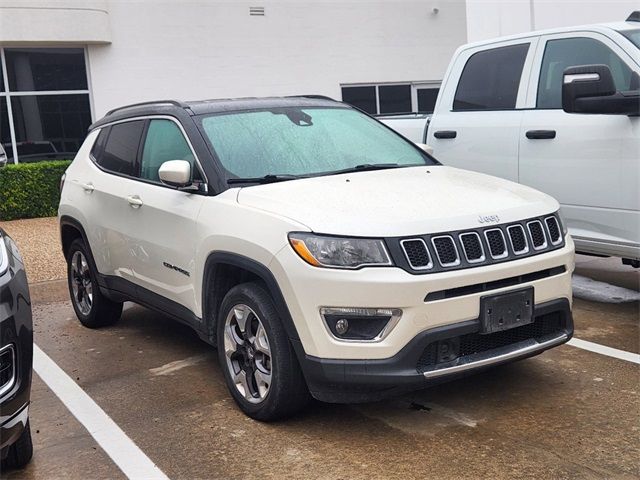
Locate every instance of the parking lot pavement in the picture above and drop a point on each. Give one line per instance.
(568, 413)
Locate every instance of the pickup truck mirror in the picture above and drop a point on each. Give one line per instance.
(590, 89)
(426, 148)
(175, 173)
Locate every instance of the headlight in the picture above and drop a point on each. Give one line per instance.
(339, 252)
(563, 223)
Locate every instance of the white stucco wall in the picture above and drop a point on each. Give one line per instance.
(211, 49)
(494, 18)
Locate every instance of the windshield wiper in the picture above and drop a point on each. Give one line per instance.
(366, 167)
(265, 179)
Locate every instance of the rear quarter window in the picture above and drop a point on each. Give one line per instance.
(120, 148)
(491, 78)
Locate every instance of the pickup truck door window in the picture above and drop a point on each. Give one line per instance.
(590, 162)
(477, 121)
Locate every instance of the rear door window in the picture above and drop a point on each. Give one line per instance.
(121, 148)
(491, 78)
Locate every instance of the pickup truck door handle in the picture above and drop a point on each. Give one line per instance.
(135, 201)
(541, 134)
(445, 134)
(88, 187)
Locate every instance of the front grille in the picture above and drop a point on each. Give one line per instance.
(472, 247)
(497, 244)
(554, 230)
(474, 343)
(538, 240)
(446, 251)
(417, 253)
(518, 239)
(469, 248)
(7, 369)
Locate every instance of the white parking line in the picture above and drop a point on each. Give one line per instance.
(124, 453)
(608, 351)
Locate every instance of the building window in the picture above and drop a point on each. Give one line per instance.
(44, 103)
(390, 99)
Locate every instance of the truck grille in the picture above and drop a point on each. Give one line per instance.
(464, 249)
(474, 343)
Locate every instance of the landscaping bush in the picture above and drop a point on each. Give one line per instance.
(29, 190)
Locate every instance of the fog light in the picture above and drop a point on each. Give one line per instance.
(360, 324)
(342, 326)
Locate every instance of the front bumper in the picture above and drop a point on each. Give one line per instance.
(414, 367)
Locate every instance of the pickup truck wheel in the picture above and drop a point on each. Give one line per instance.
(92, 308)
(259, 364)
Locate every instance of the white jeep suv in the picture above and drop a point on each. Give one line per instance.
(322, 253)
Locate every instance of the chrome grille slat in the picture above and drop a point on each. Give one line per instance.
(536, 233)
(417, 253)
(518, 239)
(553, 229)
(472, 246)
(446, 250)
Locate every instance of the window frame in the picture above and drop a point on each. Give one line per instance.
(536, 70)
(143, 138)
(415, 86)
(8, 94)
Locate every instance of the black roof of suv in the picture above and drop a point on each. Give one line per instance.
(200, 107)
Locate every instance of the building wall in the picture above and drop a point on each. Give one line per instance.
(211, 49)
(494, 18)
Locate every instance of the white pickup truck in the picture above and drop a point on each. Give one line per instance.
(557, 110)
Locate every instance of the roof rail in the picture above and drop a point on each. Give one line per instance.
(175, 103)
(319, 97)
(634, 17)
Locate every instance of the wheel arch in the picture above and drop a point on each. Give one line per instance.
(217, 268)
(71, 229)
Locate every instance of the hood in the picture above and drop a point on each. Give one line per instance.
(398, 202)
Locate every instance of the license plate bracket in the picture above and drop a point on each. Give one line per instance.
(506, 310)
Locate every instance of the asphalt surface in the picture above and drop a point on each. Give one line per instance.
(568, 413)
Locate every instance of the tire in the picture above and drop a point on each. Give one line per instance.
(286, 393)
(19, 453)
(92, 308)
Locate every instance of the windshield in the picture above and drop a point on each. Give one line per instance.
(304, 141)
(633, 35)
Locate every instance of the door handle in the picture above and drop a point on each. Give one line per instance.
(88, 187)
(445, 134)
(135, 201)
(541, 134)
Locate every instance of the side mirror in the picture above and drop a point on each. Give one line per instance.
(175, 173)
(424, 147)
(590, 89)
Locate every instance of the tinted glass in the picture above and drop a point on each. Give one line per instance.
(5, 136)
(121, 148)
(363, 98)
(491, 78)
(302, 141)
(633, 35)
(98, 146)
(34, 69)
(50, 126)
(395, 98)
(568, 52)
(164, 142)
(427, 99)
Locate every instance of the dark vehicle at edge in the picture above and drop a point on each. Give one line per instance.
(16, 357)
